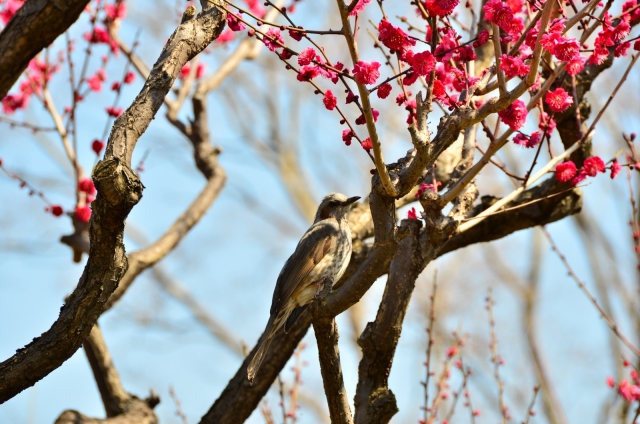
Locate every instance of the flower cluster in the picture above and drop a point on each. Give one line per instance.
(567, 171)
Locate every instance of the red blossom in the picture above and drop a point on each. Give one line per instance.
(547, 124)
(558, 100)
(56, 210)
(128, 79)
(515, 115)
(361, 121)
(115, 86)
(307, 56)
(615, 169)
(593, 165)
(226, 37)
(83, 213)
(234, 22)
(582, 175)
(255, 6)
(452, 351)
(483, 38)
(86, 185)
(440, 7)
(565, 171)
(628, 391)
(425, 187)
(567, 50)
(13, 102)
(366, 144)
(97, 146)
(347, 135)
(329, 100)
(359, 7)
(423, 63)
(296, 35)
(621, 49)
(115, 11)
(307, 73)
(611, 382)
(95, 83)
(513, 66)
(114, 111)
(383, 91)
(366, 72)
(10, 9)
(273, 39)
(393, 37)
(528, 141)
(411, 214)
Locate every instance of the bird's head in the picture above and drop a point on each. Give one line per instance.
(335, 205)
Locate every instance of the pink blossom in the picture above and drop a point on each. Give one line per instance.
(483, 38)
(95, 83)
(411, 214)
(515, 115)
(116, 11)
(128, 79)
(611, 382)
(234, 22)
(83, 213)
(452, 351)
(56, 210)
(383, 91)
(296, 35)
(359, 7)
(582, 175)
(575, 65)
(615, 169)
(10, 9)
(99, 35)
(630, 4)
(513, 66)
(347, 135)
(366, 144)
(255, 6)
(440, 7)
(361, 121)
(226, 37)
(329, 100)
(565, 171)
(393, 37)
(628, 391)
(425, 187)
(86, 185)
(558, 100)
(366, 72)
(621, 49)
(546, 124)
(307, 56)
(97, 146)
(114, 111)
(13, 102)
(272, 38)
(423, 63)
(307, 73)
(528, 141)
(593, 165)
(567, 50)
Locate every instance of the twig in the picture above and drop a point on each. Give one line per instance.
(610, 322)
(495, 357)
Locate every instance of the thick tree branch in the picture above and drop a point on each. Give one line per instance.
(326, 331)
(114, 397)
(34, 26)
(374, 402)
(120, 406)
(119, 189)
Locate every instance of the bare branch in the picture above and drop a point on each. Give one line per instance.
(119, 190)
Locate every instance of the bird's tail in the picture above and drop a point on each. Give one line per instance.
(263, 345)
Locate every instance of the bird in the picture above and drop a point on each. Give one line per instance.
(322, 254)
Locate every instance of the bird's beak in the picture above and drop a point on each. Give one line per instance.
(351, 200)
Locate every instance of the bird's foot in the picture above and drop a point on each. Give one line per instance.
(320, 285)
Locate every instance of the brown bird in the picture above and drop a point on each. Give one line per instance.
(323, 253)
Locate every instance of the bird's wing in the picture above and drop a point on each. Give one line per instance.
(313, 246)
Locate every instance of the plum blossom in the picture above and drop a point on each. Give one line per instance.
(394, 37)
(565, 171)
(558, 100)
(272, 38)
(329, 100)
(515, 115)
(366, 72)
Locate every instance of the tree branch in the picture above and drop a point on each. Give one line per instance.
(34, 26)
(327, 336)
(119, 189)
